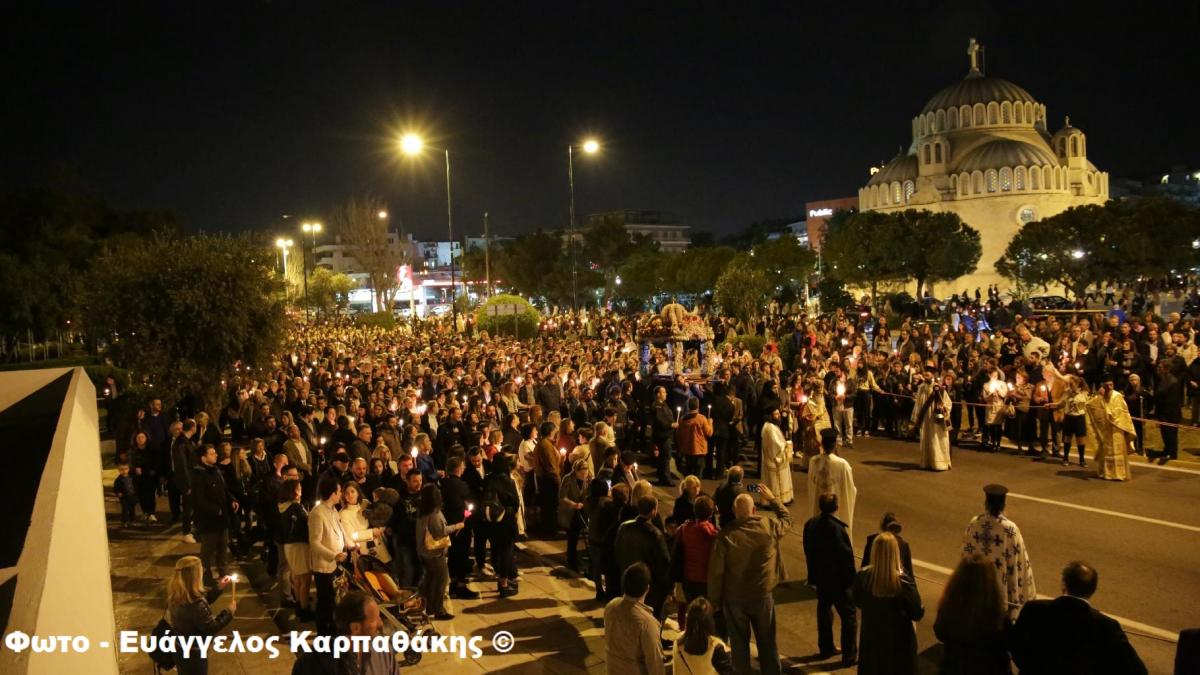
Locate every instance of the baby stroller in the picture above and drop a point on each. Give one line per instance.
(402, 609)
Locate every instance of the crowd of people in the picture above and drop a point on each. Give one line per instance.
(434, 452)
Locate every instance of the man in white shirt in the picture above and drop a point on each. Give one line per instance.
(326, 548)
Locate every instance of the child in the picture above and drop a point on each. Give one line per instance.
(126, 495)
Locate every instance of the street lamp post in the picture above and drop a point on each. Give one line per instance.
(310, 229)
(590, 147)
(412, 144)
(283, 245)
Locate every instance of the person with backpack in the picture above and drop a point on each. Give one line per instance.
(499, 509)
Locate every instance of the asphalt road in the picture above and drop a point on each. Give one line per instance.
(1143, 536)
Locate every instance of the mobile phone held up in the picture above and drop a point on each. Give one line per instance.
(755, 488)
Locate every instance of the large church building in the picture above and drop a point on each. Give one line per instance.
(981, 148)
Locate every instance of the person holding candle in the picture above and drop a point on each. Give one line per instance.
(663, 425)
(692, 432)
(547, 474)
(994, 394)
(433, 539)
(189, 611)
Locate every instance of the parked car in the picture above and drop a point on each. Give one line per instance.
(1050, 302)
(439, 310)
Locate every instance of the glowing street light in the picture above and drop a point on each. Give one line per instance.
(590, 146)
(284, 245)
(311, 228)
(412, 144)
(1077, 254)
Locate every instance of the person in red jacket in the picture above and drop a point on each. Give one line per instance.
(691, 438)
(689, 559)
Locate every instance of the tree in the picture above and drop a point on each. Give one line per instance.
(607, 244)
(329, 292)
(936, 246)
(785, 262)
(474, 267)
(181, 312)
(643, 276)
(530, 263)
(695, 271)
(367, 239)
(1056, 250)
(861, 249)
(50, 234)
(742, 288)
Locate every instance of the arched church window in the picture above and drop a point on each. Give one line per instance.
(937, 152)
(991, 180)
(977, 183)
(1074, 146)
(908, 190)
(1019, 113)
(896, 193)
(979, 113)
(1034, 179)
(1005, 179)
(993, 113)
(952, 118)
(925, 152)
(1019, 176)
(1005, 112)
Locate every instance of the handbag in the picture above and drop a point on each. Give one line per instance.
(1010, 410)
(432, 544)
(162, 660)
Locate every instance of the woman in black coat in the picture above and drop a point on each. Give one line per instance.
(500, 505)
(971, 621)
(890, 603)
(189, 611)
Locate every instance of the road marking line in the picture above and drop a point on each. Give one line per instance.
(1136, 462)
(1130, 516)
(1160, 633)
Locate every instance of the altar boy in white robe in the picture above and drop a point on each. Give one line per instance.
(829, 473)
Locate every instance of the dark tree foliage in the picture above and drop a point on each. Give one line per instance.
(182, 312)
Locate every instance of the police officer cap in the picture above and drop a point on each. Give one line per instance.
(995, 490)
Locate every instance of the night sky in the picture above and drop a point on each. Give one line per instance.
(722, 113)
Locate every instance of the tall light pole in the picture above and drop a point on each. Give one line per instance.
(412, 145)
(310, 229)
(283, 245)
(487, 256)
(591, 147)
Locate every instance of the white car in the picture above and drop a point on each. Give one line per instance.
(439, 310)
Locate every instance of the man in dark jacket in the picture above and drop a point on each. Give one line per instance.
(830, 558)
(1066, 635)
(721, 411)
(726, 493)
(183, 457)
(638, 540)
(549, 393)
(662, 423)
(458, 504)
(1168, 407)
(212, 504)
(404, 531)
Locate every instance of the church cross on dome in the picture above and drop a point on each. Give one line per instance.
(973, 52)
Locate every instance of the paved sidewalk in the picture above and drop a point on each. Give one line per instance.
(556, 623)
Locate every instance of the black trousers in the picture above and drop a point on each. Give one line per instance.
(693, 465)
(664, 460)
(503, 537)
(828, 600)
(577, 527)
(480, 538)
(146, 486)
(459, 556)
(325, 602)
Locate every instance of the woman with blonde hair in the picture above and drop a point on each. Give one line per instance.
(890, 603)
(189, 610)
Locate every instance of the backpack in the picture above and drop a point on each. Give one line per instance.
(493, 510)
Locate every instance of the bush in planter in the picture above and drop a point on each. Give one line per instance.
(525, 323)
(754, 343)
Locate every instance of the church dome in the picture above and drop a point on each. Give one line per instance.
(900, 169)
(977, 88)
(1004, 152)
(1066, 132)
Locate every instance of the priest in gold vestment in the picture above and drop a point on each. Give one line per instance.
(1114, 432)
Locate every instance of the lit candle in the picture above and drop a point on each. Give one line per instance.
(678, 412)
(841, 389)
(413, 452)
(803, 399)
(233, 579)
(322, 440)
